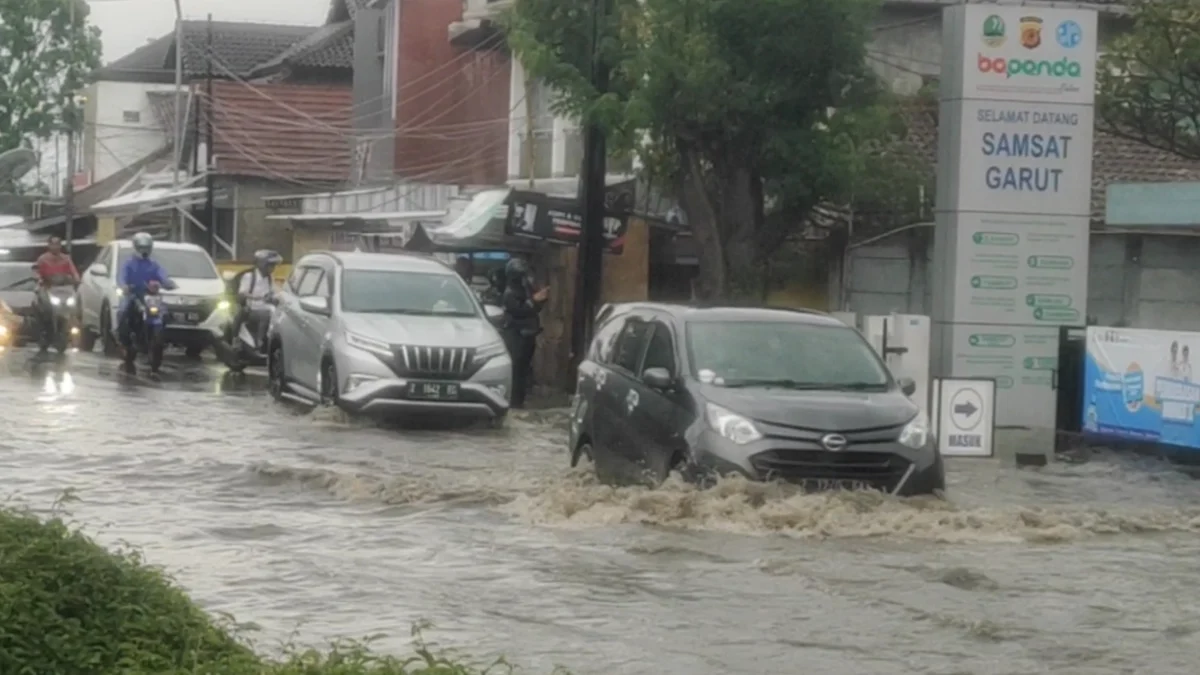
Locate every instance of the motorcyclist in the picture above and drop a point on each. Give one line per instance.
(133, 280)
(53, 268)
(494, 293)
(521, 325)
(256, 290)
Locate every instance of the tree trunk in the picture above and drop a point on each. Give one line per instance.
(741, 208)
(705, 226)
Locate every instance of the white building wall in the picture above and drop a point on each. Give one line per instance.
(124, 128)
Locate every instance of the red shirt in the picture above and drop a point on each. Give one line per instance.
(50, 265)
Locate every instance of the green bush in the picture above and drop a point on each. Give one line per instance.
(70, 607)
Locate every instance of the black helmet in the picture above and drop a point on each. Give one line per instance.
(266, 258)
(516, 269)
(143, 244)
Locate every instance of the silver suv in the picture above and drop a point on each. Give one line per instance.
(387, 333)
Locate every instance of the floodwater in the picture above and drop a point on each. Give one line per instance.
(310, 527)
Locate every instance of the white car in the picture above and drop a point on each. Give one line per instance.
(199, 307)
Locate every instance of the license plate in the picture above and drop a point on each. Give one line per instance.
(828, 484)
(433, 391)
(192, 317)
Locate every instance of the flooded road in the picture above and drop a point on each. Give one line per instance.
(305, 523)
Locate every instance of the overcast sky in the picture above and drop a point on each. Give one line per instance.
(129, 24)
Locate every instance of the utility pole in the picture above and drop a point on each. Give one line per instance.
(591, 197)
(209, 176)
(177, 218)
(71, 115)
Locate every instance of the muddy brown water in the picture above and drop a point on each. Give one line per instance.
(310, 526)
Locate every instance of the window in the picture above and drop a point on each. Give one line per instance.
(785, 353)
(293, 281)
(417, 293)
(310, 282)
(605, 340)
(180, 263)
(661, 351)
(12, 274)
(322, 286)
(105, 258)
(631, 344)
(132, 116)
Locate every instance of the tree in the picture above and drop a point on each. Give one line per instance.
(1149, 78)
(744, 109)
(46, 59)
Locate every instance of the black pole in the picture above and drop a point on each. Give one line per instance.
(210, 178)
(591, 197)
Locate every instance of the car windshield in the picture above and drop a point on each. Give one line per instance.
(12, 274)
(783, 354)
(179, 263)
(386, 292)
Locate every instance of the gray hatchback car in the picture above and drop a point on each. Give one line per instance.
(770, 394)
(393, 334)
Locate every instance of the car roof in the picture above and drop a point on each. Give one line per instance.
(390, 262)
(689, 313)
(162, 245)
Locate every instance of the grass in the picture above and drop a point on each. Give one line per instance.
(68, 606)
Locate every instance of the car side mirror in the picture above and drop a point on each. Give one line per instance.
(99, 269)
(315, 304)
(658, 378)
(907, 385)
(494, 313)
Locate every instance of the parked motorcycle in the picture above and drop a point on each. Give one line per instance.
(243, 349)
(149, 320)
(58, 322)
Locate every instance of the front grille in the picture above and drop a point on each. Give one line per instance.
(446, 363)
(880, 469)
(202, 307)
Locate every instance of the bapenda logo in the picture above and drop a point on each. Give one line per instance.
(1029, 67)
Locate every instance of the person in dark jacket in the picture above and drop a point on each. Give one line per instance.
(494, 293)
(521, 325)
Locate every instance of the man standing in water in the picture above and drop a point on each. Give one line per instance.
(521, 325)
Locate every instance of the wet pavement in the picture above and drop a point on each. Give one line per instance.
(306, 523)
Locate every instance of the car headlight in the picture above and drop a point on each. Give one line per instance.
(223, 305)
(120, 292)
(71, 301)
(369, 344)
(56, 301)
(3, 330)
(915, 434)
(490, 351)
(731, 425)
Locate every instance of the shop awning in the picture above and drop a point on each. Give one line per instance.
(149, 199)
(479, 220)
(392, 218)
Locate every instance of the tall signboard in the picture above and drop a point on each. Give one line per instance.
(1013, 197)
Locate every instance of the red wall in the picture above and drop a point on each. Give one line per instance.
(452, 104)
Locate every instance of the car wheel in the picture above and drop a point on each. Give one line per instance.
(498, 421)
(107, 339)
(87, 340)
(193, 352)
(275, 378)
(329, 383)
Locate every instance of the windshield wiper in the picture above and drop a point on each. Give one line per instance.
(412, 312)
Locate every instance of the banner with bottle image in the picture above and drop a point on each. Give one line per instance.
(1141, 385)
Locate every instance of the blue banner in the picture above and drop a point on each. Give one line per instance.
(1138, 385)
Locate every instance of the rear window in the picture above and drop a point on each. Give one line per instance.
(179, 263)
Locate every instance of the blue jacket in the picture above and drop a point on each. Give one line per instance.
(138, 272)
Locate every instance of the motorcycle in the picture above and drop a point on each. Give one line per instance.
(243, 349)
(149, 320)
(58, 320)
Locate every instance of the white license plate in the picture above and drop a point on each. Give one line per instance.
(192, 317)
(828, 484)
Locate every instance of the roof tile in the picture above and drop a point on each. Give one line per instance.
(257, 131)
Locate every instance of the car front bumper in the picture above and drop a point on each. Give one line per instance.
(888, 466)
(369, 386)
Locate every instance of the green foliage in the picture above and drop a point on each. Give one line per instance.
(69, 607)
(752, 112)
(1149, 78)
(47, 59)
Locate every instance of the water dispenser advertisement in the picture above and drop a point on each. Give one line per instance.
(1139, 385)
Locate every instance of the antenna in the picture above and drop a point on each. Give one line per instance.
(16, 163)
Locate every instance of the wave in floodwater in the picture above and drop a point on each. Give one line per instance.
(574, 499)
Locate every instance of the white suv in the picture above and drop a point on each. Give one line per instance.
(199, 308)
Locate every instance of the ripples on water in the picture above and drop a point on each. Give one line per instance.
(344, 528)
